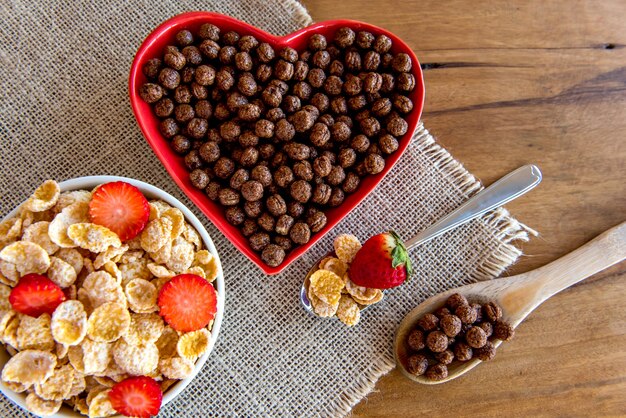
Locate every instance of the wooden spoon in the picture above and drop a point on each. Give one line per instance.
(518, 295)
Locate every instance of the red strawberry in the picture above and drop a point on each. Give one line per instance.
(187, 302)
(138, 396)
(381, 263)
(36, 294)
(120, 207)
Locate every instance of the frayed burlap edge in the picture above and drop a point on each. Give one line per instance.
(507, 230)
(301, 14)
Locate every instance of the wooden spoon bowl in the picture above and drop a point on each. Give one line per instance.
(518, 295)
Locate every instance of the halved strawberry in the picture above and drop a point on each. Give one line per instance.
(187, 302)
(120, 207)
(138, 396)
(36, 294)
(382, 262)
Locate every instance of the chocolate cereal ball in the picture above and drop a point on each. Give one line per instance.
(417, 364)
(276, 205)
(336, 176)
(456, 300)
(210, 151)
(463, 352)
(321, 194)
(374, 163)
(437, 372)
(224, 167)
(212, 190)
(181, 144)
(397, 127)
(450, 325)
(416, 340)
(209, 31)
(238, 178)
(388, 144)
(283, 242)
(267, 222)
(351, 183)
(360, 143)
(249, 227)
(486, 352)
(405, 82)
(151, 93)
(446, 357)
(259, 241)
(199, 178)
(317, 42)
(466, 314)
(344, 37)
(151, 68)
(492, 311)
(284, 224)
(316, 220)
(428, 322)
(164, 107)
(252, 190)
(503, 331)
(303, 170)
(487, 327)
(336, 197)
(437, 341)
(264, 128)
(235, 215)
(283, 176)
(382, 44)
(262, 174)
(300, 191)
(273, 255)
(229, 197)
(253, 209)
(476, 337)
(295, 209)
(300, 233)
(402, 63)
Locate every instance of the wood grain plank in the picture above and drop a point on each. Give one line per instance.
(508, 83)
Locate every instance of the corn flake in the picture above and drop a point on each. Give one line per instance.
(327, 286)
(8, 273)
(108, 322)
(346, 247)
(68, 198)
(27, 257)
(111, 254)
(69, 323)
(160, 271)
(191, 235)
(139, 359)
(40, 406)
(61, 353)
(75, 213)
(38, 233)
(57, 387)
(178, 221)
(144, 328)
(61, 273)
(78, 384)
(9, 336)
(10, 229)
(335, 265)
(168, 342)
(102, 288)
(192, 345)
(71, 257)
(135, 270)
(320, 307)
(181, 257)
(141, 295)
(93, 237)
(16, 387)
(115, 272)
(377, 298)
(176, 367)
(156, 234)
(5, 292)
(29, 367)
(34, 333)
(360, 292)
(96, 355)
(100, 405)
(348, 311)
(44, 197)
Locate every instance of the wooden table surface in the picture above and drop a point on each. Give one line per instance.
(510, 83)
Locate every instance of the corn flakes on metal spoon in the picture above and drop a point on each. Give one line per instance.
(509, 187)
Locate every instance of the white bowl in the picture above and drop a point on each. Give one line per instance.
(151, 192)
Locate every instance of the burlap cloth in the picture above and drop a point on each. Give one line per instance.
(64, 112)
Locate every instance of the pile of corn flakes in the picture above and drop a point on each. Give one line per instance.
(109, 327)
(330, 290)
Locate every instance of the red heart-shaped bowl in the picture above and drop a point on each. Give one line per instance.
(164, 35)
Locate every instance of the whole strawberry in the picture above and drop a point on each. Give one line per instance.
(381, 263)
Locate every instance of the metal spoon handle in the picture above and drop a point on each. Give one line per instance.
(509, 187)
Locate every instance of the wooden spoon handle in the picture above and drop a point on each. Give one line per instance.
(603, 251)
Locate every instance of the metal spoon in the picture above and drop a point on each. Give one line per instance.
(509, 187)
(518, 295)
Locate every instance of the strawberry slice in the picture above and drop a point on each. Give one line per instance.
(120, 207)
(187, 302)
(138, 396)
(36, 294)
